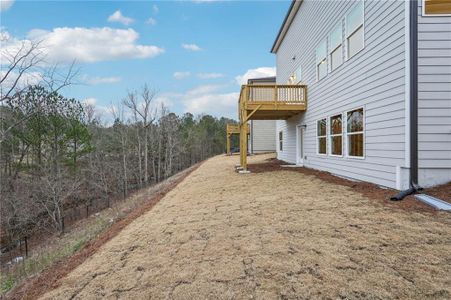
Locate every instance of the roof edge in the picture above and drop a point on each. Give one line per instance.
(261, 79)
(294, 7)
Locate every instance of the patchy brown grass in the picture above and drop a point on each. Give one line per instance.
(372, 191)
(138, 204)
(281, 234)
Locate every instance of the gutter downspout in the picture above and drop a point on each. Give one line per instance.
(413, 24)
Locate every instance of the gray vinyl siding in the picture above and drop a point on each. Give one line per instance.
(373, 79)
(262, 136)
(434, 96)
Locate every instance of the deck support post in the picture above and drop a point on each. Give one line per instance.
(243, 145)
(228, 144)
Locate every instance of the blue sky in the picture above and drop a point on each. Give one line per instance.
(192, 52)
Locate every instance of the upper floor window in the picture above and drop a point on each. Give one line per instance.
(321, 60)
(355, 133)
(355, 30)
(436, 7)
(335, 47)
(298, 75)
(336, 135)
(321, 134)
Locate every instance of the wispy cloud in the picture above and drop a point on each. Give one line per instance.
(101, 80)
(181, 75)
(209, 75)
(65, 44)
(6, 4)
(151, 21)
(155, 9)
(255, 73)
(191, 47)
(118, 17)
(206, 99)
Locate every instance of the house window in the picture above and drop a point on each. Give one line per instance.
(336, 49)
(355, 134)
(354, 29)
(281, 140)
(298, 75)
(336, 135)
(321, 60)
(436, 7)
(321, 133)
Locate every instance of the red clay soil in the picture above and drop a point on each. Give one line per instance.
(369, 190)
(49, 279)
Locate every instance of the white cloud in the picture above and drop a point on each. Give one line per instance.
(209, 99)
(26, 79)
(209, 75)
(181, 75)
(101, 80)
(151, 21)
(118, 17)
(89, 101)
(6, 4)
(191, 47)
(206, 99)
(256, 73)
(155, 9)
(65, 44)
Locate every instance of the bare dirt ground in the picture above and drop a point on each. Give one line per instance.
(280, 234)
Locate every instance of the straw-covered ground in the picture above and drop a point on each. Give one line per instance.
(281, 234)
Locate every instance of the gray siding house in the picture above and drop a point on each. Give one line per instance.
(379, 90)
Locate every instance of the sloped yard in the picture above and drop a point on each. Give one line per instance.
(282, 234)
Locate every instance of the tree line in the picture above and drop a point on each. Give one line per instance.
(55, 153)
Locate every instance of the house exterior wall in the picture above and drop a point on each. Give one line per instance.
(262, 136)
(434, 98)
(373, 79)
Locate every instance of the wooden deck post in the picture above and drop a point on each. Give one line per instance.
(228, 144)
(243, 142)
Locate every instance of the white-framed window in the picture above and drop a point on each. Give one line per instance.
(355, 40)
(321, 136)
(436, 8)
(336, 47)
(355, 134)
(298, 75)
(336, 135)
(321, 60)
(280, 140)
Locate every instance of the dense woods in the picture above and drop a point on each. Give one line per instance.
(56, 153)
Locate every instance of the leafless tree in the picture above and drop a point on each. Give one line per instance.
(147, 113)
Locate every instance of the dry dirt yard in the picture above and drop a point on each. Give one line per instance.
(221, 235)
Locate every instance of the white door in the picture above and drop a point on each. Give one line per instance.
(300, 145)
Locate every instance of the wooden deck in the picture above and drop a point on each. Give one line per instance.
(268, 102)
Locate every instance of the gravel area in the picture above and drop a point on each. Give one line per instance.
(269, 235)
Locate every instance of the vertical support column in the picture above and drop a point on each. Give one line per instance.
(228, 144)
(243, 141)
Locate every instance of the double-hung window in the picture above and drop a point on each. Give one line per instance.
(321, 60)
(298, 75)
(321, 133)
(355, 132)
(336, 135)
(354, 29)
(335, 47)
(281, 140)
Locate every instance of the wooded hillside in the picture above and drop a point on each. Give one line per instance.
(56, 154)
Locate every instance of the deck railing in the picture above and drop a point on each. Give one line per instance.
(283, 94)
